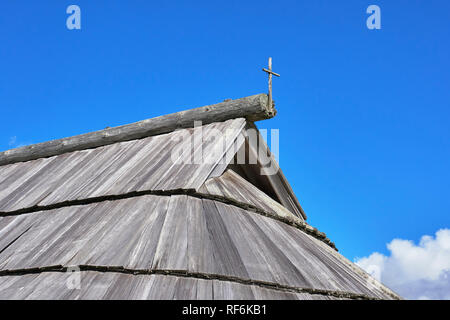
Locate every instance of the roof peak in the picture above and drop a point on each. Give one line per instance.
(253, 108)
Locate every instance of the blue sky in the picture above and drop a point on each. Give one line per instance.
(363, 115)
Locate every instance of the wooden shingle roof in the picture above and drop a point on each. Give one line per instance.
(140, 225)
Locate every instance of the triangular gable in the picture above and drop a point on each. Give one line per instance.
(245, 158)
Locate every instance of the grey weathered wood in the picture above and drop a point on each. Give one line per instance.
(171, 252)
(253, 108)
(199, 249)
(278, 181)
(228, 156)
(138, 165)
(232, 186)
(230, 138)
(206, 238)
(96, 285)
(226, 256)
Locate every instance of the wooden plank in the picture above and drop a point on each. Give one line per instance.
(228, 157)
(149, 233)
(81, 179)
(119, 241)
(78, 243)
(41, 183)
(217, 153)
(87, 237)
(224, 290)
(262, 259)
(318, 263)
(269, 294)
(11, 229)
(105, 169)
(163, 162)
(130, 153)
(121, 286)
(95, 285)
(135, 171)
(171, 252)
(226, 256)
(5, 171)
(232, 186)
(100, 249)
(199, 249)
(18, 178)
(185, 289)
(18, 288)
(36, 247)
(163, 288)
(186, 166)
(205, 290)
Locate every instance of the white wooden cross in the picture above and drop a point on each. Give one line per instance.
(270, 73)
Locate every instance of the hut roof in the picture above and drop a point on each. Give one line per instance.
(141, 219)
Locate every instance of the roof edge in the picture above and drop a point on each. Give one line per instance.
(253, 108)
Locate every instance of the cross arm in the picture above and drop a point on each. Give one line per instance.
(271, 72)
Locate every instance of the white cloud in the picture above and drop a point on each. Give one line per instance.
(414, 271)
(12, 141)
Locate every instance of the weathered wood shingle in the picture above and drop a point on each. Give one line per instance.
(156, 233)
(138, 165)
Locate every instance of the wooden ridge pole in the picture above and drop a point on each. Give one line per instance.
(253, 108)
